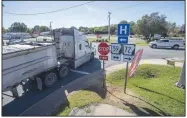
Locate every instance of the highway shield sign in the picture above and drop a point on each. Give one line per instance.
(129, 49)
(116, 48)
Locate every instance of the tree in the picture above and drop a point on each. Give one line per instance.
(152, 24)
(44, 29)
(123, 22)
(18, 27)
(73, 27)
(36, 29)
(82, 30)
(4, 30)
(30, 31)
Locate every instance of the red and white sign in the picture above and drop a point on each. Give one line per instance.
(102, 57)
(103, 48)
(135, 62)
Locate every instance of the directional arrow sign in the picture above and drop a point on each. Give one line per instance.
(123, 40)
(116, 57)
(127, 58)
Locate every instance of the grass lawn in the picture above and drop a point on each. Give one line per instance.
(159, 90)
(80, 99)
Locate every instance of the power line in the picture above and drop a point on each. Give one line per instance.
(132, 6)
(50, 11)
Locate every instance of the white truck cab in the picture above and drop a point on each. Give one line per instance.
(167, 43)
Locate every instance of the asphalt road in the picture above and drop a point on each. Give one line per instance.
(12, 107)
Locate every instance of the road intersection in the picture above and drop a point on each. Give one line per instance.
(16, 107)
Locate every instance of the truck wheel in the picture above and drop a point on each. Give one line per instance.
(176, 47)
(63, 71)
(49, 79)
(154, 46)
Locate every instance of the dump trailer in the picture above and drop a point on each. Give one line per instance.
(44, 63)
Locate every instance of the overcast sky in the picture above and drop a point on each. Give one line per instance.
(92, 14)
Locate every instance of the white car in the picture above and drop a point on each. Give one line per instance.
(167, 43)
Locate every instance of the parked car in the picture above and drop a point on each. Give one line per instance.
(167, 43)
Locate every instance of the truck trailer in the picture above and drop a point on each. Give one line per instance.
(44, 63)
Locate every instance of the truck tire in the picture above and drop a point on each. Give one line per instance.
(154, 46)
(175, 47)
(63, 72)
(49, 79)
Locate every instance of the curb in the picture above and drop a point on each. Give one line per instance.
(146, 61)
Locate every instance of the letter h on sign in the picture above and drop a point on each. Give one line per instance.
(123, 30)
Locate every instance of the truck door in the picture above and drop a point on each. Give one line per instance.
(81, 51)
(87, 48)
(166, 43)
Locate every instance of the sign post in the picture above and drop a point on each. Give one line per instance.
(103, 49)
(128, 49)
(122, 50)
(126, 76)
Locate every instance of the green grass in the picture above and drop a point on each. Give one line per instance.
(141, 43)
(159, 91)
(80, 99)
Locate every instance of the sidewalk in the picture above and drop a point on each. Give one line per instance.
(99, 110)
(147, 61)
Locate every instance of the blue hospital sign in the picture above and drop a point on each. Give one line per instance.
(123, 30)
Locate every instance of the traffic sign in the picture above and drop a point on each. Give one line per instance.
(129, 49)
(123, 40)
(103, 48)
(123, 30)
(135, 62)
(116, 48)
(116, 57)
(127, 58)
(103, 57)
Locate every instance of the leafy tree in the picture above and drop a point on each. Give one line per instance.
(152, 24)
(4, 30)
(36, 28)
(44, 29)
(18, 27)
(123, 22)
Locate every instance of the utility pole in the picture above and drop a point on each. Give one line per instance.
(109, 26)
(51, 29)
(50, 25)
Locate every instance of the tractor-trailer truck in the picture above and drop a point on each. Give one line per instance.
(44, 63)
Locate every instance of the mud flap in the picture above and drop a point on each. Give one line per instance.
(14, 92)
(39, 83)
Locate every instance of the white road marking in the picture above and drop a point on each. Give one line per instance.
(82, 72)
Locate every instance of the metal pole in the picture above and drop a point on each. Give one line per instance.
(51, 29)
(103, 65)
(126, 76)
(109, 26)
